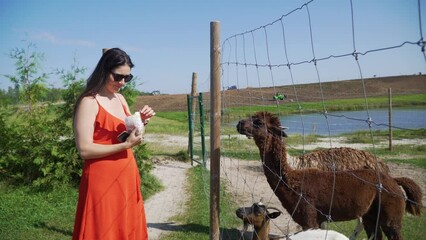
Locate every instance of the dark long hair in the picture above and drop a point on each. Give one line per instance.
(110, 60)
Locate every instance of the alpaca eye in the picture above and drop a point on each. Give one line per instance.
(256, 123)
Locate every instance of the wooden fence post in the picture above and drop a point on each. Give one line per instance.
(390, 119)
(215, 118)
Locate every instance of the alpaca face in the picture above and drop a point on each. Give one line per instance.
(248, 127)
(260, 125)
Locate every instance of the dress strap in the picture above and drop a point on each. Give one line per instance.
(96, 98)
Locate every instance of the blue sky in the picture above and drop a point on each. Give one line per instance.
(168, 40)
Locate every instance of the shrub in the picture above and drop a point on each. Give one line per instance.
(37, 150)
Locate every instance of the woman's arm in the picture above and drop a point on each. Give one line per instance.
(84, 126)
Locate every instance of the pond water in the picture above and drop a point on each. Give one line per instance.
(350, 121)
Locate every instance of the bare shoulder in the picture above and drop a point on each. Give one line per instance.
(88, 103)
(88, 100)
(86, 113)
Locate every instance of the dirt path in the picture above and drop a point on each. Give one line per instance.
(246, 182)
(169, 202)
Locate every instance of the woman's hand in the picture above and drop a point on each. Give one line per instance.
(133, 139)
(146, 113)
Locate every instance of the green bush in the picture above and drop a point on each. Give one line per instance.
(150, 184)
(37, 150)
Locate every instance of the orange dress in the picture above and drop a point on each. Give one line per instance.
(110, 204)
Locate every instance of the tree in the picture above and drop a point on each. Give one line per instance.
(74, 84)
(130, 92)
(28, 79)
(3, 98)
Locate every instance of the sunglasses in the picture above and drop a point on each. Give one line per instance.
(118, 77)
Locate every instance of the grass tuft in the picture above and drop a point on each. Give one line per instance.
(195, 221)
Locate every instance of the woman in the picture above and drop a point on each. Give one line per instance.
(110, 204)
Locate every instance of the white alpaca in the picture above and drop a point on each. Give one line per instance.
(317, 234)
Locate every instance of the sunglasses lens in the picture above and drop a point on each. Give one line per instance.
(119, 77)
(128, 78)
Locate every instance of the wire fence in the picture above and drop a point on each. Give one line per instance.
(260, 63)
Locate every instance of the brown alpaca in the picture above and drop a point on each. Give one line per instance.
(313, 196)
(342, 158)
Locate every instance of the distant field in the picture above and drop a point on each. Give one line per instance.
(348, 89)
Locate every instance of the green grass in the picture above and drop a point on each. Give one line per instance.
(29, 214)
(163, 123)
(175, 116)
(25, 214)
(382, 135)
(413, 227)
(404, 154)
(194, 223)
(412, 100)
(239, 148)
(167, 124)
(245, 148)
(150, 185)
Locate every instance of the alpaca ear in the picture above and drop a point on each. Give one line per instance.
(283, 132)
(273, 215)
(276, 131)
(279, 131)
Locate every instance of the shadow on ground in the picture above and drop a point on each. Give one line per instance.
(45, 226)
(226, 234)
